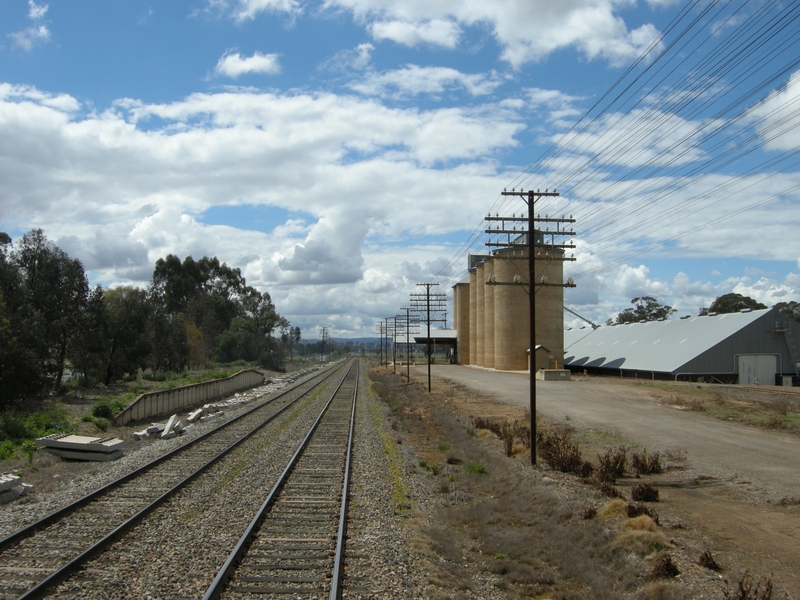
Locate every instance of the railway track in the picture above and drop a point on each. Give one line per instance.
(294, 546)
(40, 556)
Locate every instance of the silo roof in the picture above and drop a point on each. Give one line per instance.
(661, 346)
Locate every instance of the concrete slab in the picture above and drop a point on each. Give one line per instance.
(85, 455)
(553, 375)
(8, 481)
(80, 443)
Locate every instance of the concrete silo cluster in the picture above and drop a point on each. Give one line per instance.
(493, 318)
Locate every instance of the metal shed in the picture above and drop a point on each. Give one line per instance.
(751, 347)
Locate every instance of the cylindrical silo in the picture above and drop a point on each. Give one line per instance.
(480, 315)
(461, 301)
(550, 308)
(512, 312)
(473, 312)
(488, 314)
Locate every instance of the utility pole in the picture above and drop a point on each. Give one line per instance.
(427, 303)
(323, 332)
(528, 229)
(394, 345)
(379, 327)
(409, 321)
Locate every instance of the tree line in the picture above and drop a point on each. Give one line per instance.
(192, 313)
(648, 308)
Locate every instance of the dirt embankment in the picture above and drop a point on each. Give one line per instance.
(518, 531)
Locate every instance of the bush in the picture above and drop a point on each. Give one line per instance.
(644, 492)
(664, 567)
(611, 465)
(101, 424)
(745, 591)
(558, 451)
(6, 450)
(636, 510)
(645, 464)
(102, 409)
(707, 561)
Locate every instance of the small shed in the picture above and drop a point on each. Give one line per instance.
(748, 347)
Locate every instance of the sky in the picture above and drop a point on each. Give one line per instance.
(339, 152)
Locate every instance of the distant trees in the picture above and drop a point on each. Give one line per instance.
(645, 308)
(193, 312)
(730, 303)
(791, 309)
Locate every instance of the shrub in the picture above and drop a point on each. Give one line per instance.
(745, 591)
(663, 567)
(611, 465)
(644, 492)
(645, 464)
(102, 409)
(610, 490)
(707, 561)
(6, 450)
(101, 424)
(636, 510)
(558, 451)
(590, 512)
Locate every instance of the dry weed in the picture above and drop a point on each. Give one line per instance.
(644, 492)
(615, 508)
(744, 590)
(635, 510)
(559, 451)
(611, 465)
(610, 491)
(645, 464)
(707, 561)
(641, 542)
(664, 568)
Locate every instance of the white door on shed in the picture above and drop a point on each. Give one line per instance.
(757, 369)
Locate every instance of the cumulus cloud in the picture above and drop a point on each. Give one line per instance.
(134, 195)
(437, 32)
(247, 10)
(526, 30)
(233, 65)
(413, 80)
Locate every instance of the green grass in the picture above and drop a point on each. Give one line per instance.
(600, 437)
(475, 467)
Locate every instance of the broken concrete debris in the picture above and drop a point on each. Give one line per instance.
(174, 426)
(12, 487)
(81, 447)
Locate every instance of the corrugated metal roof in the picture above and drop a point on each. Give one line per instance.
(571, 336)
(662, 346)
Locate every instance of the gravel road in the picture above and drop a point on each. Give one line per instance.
(768, 459)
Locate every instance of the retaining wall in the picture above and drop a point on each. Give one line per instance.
(163, 402)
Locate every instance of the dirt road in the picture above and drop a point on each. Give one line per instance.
(770, 460)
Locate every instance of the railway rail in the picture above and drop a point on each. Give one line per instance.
(40, 556)
(295, 544)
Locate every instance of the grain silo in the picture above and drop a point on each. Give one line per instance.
(488, 313)
(511, 312)
(473, 311)
(480, 315)
(462, 315)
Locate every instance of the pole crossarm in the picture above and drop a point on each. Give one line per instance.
(525, 237)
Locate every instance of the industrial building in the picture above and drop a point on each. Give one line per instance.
(492, 313)
(748, 347)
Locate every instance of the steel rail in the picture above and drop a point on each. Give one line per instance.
(223, 576)
(29, 530)
(338, 563)
(62, 573)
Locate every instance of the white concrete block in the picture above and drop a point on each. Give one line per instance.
(155, 428)
(140, 435)
(194, 415)
(8, 481)
(168, 427)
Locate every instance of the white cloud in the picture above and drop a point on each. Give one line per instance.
(28, 38)
(247, 10)
(415, 80)
(36, 33)
(437, 32)
(231, 64)
(527, 30)
(361, 172)
(36, 11)
(356, 59)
